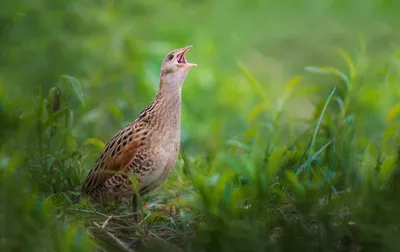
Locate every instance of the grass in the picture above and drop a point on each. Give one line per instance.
(289, 141)
(272, 187)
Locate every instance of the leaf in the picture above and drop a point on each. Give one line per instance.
(301, 168)
(390, 132)
(330, 70)
(236, 143)
(96, 142)
(250, 133)
(275, 160)
(53, 118)
(213, 179)
(387, 168)
(287, 90)
(346, 57)
(135, 183)
(71, 143)
(393, 112)
(253, 82)
(368, 163)
(232, 161)
(340, 102)
(226, 197)
(292, 178)
(256, 111)
(75, 85)
(153, 217)
(317, 127)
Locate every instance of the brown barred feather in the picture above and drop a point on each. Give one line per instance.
(148, 147)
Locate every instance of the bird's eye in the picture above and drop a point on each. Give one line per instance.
(170, 57)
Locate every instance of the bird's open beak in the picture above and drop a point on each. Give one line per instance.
(181, 57)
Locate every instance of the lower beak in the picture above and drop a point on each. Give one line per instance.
(189, 65)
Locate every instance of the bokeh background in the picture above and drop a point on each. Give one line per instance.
(115, 48)
(101, 60)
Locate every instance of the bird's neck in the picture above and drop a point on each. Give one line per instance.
(168, 101)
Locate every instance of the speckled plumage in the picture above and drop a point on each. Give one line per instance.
(146, 148)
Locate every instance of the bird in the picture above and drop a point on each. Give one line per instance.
(147, 148)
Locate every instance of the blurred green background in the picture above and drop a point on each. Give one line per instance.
(115, 48)
(101, 60)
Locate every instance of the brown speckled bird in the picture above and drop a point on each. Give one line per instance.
(148, 147)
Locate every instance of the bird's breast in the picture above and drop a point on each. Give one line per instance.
(165, 154)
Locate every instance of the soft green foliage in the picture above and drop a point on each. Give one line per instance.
(30, 223)
(290, 123)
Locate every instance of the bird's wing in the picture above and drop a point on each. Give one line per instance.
(116, 155)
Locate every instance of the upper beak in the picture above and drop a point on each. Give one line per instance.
(182, 56)
(185, 49)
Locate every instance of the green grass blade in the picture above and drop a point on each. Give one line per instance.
(54, 118)
(312, 157)
(321, 117)
(346, 57)
(260, 90)
(95, 142)
(330, 70)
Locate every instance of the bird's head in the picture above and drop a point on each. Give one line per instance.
(175, 67)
